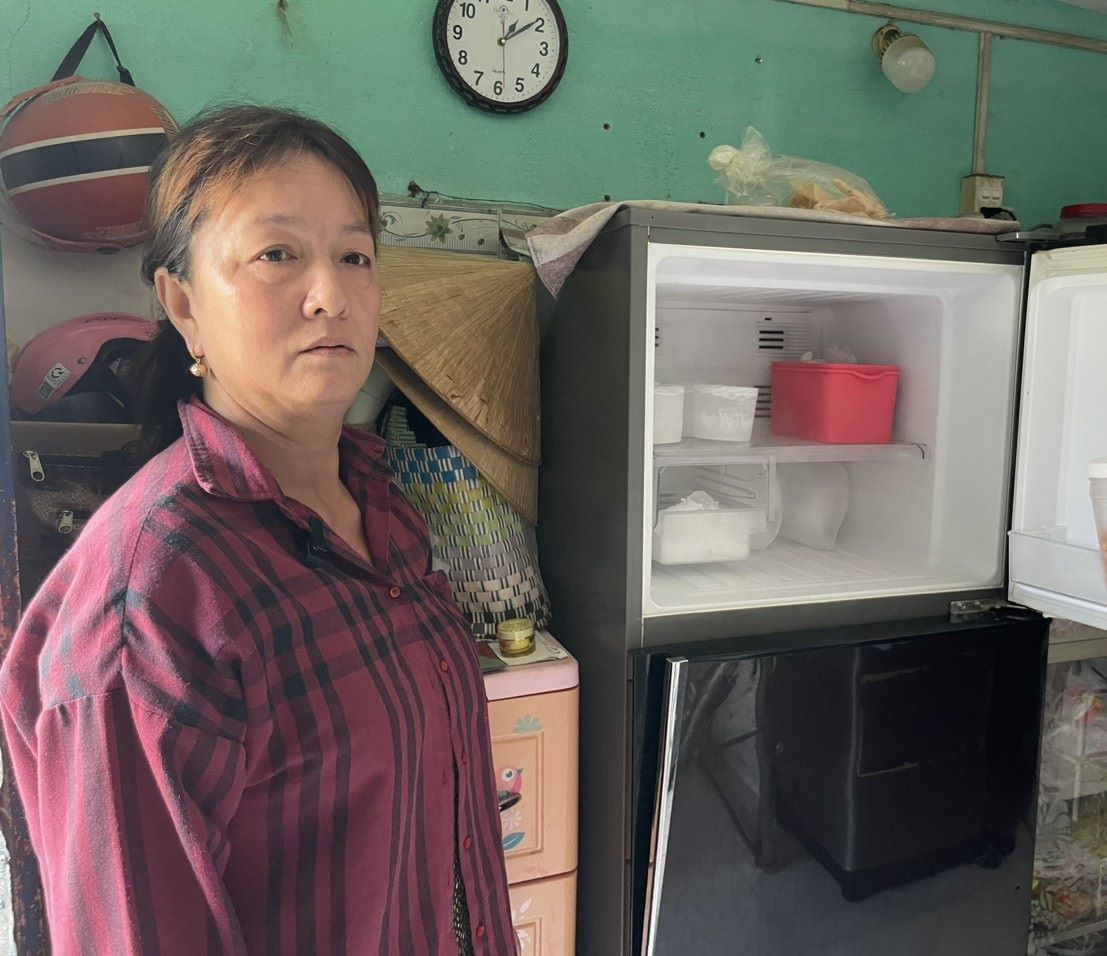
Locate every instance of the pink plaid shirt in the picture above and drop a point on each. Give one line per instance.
(231, 739)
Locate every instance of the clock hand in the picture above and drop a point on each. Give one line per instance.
(514, 33)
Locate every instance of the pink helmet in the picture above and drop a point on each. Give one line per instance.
(76, 370)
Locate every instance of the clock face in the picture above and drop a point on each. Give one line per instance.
(504, 56)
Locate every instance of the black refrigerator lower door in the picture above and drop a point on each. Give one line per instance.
(864, 796)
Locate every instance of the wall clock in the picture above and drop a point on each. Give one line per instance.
(504, 56)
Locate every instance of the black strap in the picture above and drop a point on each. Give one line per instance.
(80, 48)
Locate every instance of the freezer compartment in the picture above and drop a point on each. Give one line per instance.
(1056, 563)
(928, 511)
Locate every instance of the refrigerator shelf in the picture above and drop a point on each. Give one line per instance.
(698, 451)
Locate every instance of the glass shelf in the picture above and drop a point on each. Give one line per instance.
(699, 451)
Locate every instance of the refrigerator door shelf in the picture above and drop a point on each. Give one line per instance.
(1055, 566)
(1059, 579)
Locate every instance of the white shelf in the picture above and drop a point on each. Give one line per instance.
(1057, 577)
(786, 573)
(700, 451)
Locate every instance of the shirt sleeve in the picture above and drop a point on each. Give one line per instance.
(132, 811)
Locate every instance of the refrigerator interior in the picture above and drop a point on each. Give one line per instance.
(924, 513)
(1056, 562)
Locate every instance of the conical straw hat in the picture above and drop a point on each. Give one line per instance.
(515, 479)
(465, 324)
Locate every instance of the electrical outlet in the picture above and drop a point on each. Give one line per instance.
(980, 192)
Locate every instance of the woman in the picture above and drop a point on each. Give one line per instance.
(244, 715)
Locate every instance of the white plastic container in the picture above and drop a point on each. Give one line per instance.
(670, 550)
(1097, 488)
(668, 414)
(723, 412)
(694, 532)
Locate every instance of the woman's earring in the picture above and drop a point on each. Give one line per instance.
(198, 368)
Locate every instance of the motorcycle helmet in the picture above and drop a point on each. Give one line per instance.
(77, 370)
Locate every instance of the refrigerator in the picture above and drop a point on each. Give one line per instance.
(831, 744)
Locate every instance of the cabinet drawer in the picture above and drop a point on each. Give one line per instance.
(534, 751)
(543, 913)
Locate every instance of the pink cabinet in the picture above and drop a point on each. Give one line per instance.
(543, 913)
(533, 713)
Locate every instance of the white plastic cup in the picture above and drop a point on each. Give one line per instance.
(668, 414)
(723, 412)
(1097, 488)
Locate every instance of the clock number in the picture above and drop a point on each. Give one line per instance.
(497, 87)
(468, 10)
(518, 84)
(457, 31)
(462, 57)
(539, 24)
(480, 76)
(536, 70)
(544, 48)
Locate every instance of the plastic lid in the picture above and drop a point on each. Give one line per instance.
(516, 628)
(1097, 468)
(1084, 210)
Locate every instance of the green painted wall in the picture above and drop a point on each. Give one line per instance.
(659, 73)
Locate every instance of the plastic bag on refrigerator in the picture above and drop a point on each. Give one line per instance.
(753, 176)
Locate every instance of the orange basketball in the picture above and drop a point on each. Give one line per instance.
(75, 161)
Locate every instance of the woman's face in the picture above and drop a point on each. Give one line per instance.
(283, 297)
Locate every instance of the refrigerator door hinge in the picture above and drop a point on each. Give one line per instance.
(961, 611)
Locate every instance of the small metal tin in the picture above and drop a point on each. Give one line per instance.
(515, 636)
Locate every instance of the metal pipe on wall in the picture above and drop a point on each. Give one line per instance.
(983, 78)
(953, 22)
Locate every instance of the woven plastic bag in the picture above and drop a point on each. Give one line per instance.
(753, 176)
(484, 546)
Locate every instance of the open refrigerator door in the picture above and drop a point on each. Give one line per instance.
(1056, 563)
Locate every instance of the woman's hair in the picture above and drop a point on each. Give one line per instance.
(215, 153)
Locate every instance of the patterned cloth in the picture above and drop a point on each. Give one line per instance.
(557, 244)
(231, 738)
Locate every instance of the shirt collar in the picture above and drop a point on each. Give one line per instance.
(225, 466)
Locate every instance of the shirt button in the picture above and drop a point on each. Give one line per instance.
(464, 758)
(481, 931)
(443, 666)
(467, 842)
(393, 592)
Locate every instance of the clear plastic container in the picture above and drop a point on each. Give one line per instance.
(1097, 488)
(723, 412)
(668, 414)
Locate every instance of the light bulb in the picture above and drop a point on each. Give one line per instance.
(904, 58)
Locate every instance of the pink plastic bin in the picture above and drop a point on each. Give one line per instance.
(837, 404)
